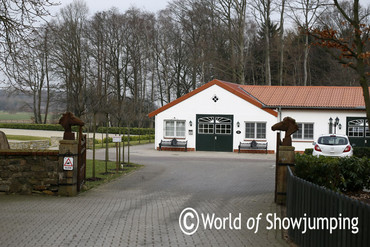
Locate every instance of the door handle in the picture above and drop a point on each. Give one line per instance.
(215, 137)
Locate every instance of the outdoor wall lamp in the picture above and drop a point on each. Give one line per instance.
(190, 123)
(335, 124)
(336, 121)
(238, 124)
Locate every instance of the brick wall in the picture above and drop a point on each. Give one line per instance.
(29, 171)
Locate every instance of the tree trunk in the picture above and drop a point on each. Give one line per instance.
(39, 103)
(128, 144)
(94, 131)
(267, 58)
(34, 107)
(47, 89)
(365, 90)
(305, 61)
(267, 38)
(106, 146)
(281, 68)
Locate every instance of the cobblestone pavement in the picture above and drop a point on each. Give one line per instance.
(143, 208)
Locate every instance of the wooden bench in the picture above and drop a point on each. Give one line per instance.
(173, 143)
(253, 145)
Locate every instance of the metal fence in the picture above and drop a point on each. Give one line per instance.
(334, 219)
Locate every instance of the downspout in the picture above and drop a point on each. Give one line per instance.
(279, 113)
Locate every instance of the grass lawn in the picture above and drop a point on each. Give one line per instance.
(26, 138)
(102, 176)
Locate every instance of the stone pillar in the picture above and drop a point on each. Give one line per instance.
(68, 178)
(286, 157)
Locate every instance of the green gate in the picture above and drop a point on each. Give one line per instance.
(214, 133)
(358, 131)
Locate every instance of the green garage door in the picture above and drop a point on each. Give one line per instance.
(214, 133)
(358, 131)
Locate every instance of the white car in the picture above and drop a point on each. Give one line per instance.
(332, 145)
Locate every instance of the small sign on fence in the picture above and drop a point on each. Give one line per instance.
(117, 139)
(68, 163)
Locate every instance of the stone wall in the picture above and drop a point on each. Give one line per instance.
(29, 171)
(36, 145)
(54, 141)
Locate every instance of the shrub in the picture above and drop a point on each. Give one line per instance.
(323, 171)
(124, 130)
(132, 138)
(356, 173)
(361, 152)
(308, 151)
(338, 174)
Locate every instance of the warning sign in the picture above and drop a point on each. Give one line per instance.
(68, 163)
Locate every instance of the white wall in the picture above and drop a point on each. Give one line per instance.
(228, 104)
(320, 118)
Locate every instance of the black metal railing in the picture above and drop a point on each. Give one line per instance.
(338, 219)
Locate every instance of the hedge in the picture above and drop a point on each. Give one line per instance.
(125, 138)
(57, 127)
(338, 174)
(133, 131)
(361, 152)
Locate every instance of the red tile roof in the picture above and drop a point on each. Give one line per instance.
(266, 97)
(307, 97)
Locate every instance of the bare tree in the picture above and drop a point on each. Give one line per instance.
(70, 58)
(30, 75)
(281, 34)
(305, 13)
(233, 15)
(97, 40)
(17, 22)
(262, 13)
(350, 45)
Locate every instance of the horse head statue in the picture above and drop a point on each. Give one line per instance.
(289, 126)
(67, 121)
(4, 144)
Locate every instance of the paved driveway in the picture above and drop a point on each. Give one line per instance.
(143, 208)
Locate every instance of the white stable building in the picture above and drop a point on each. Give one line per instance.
(219, 115)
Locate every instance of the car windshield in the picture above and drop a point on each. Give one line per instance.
(333, 140)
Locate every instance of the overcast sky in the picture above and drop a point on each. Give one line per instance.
(122, 5)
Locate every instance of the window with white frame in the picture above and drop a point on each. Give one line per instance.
(255, 130)
(358, 128)
(174, 128)
(305, 131)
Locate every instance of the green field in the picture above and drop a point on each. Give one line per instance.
(19, 116)
(15, 116)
